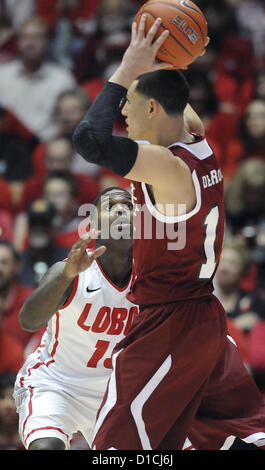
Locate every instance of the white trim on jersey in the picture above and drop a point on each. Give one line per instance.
(174, 218)
(228, 443)
(251, 439)
(231, 339)
(201, 150)
(142, 397)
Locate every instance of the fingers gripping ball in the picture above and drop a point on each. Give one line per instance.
(187, 27)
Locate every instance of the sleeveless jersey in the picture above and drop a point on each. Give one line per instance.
(175, 257)
(76, 347)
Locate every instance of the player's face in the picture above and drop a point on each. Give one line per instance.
(135, 111)
(115, 211)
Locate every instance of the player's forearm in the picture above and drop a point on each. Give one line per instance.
(43, 303)
(93, 134)
(93, 137)
(123, 76)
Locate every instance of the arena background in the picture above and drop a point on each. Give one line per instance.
(55, 56)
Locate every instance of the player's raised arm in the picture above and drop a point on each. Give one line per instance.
(192, 121)
(93, 137)
(56, 286)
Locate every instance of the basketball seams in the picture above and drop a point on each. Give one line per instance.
(182, 10)
(171, 5)
(171, 35)
(197, 10)
(187, 28)
(192, 7)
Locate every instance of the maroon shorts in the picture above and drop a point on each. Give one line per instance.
(177, 374)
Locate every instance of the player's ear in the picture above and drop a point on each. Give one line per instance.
(152, 107)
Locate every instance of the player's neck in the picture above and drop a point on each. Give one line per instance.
(116, 262)
(167, 131)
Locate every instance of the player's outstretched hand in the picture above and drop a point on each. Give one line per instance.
(79, 259)
(140, 56)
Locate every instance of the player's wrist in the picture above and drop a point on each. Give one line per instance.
(123, 76)
(66, 276)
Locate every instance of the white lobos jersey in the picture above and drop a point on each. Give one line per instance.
(76, 348)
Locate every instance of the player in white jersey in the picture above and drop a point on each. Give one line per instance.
(61, 385)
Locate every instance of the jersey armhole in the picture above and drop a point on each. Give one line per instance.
(174, 218)
(72, 294)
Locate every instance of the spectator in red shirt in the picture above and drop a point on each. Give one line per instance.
(78, 11)
(70, 108)
(11, 349)
(12, 293)
(41, 251)
(245, 214)
(110, 39)
(59, 155)
(257, 354)
(6, 198)
(245, 199)
(244, 308)
(70, 22)
(6, 224)
(235, 72)
(15, 158)
(59, 189)
(11, 352)
(9, 437)
(250, 142)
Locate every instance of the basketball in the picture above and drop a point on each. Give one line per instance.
(187, 28)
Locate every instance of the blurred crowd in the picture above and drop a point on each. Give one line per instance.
(55, 56)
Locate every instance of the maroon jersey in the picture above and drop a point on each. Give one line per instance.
(175, 257)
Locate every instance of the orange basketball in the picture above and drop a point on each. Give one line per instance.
(187, 27)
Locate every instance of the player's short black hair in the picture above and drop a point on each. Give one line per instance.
(169, 87)
(10, 246)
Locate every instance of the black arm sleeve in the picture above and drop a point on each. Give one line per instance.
(93, 137)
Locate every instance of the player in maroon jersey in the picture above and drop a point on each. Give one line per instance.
(176, 368)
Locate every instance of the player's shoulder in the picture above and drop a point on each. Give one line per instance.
(198, 148)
